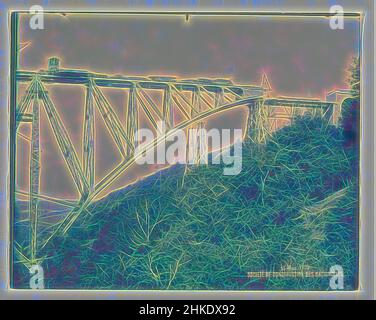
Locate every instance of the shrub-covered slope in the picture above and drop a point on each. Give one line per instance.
(294, 205)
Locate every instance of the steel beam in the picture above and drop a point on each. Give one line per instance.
(132, 120)
(168, 114)
(34, 176)
(89, 138)
(72, 76)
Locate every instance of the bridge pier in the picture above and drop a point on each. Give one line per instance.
(168, 114)
(337, 97)
(197, 148)
(132, 120)
(336, 110)
(89, 133)
(258, 122)
(330, 114)
(34, 187)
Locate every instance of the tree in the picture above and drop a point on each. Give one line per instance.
(354, 77)
(351, 107)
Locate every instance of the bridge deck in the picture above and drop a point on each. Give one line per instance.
(297, 103)
(67, 76)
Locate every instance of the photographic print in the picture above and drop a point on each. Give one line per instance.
(200, 151)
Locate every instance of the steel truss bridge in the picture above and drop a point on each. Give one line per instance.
(196, 100)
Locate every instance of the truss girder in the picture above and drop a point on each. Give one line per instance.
(149, 115)
(122, 140)
(64, 142)
(183, 98)
(150, 102)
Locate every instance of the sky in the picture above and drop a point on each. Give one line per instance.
(301, 56)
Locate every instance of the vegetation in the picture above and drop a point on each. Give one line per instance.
(350, 115)
(294, 205)
(354, 77)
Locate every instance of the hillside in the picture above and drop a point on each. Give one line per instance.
(294, 205)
